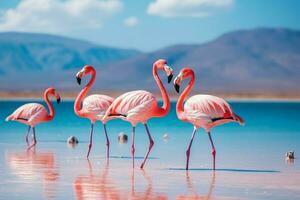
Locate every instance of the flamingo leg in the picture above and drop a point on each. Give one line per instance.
(188, 151)
(132, 146)
(91, 140)
(107, 140)
(26, 137)
(213, 150)
(150, 146)
(34, 139)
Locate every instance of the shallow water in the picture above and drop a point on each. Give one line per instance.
(250, 159)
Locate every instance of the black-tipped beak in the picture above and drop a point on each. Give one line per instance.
(58, 100)
(170, 77)
(176, 87)
(78, 80)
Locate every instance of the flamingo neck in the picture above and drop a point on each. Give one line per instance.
(83, 93)
(50, 106)
(185, 93)
(162, 111)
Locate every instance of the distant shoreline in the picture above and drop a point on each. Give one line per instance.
(229, 96)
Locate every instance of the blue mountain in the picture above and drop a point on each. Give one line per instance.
(257, 60)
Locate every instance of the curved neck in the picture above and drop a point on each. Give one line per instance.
(166, 101)
(83, 93)
(185, 93)
(50, 106)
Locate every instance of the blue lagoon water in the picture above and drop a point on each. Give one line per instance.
(250, 161)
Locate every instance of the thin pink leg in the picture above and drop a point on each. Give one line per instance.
(213, 151)
(132, 146)
(188, 151)
(150, 146)
(26, 137)
(34, 139)
(107, 141)
(91, 141)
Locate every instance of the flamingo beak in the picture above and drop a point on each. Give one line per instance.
(169, 72)
(79, 76)
(170, 77)
(177, 81)
(78, 80)
(177, 87)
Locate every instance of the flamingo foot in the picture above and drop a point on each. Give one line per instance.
(107, 145)
(32, 145)
(89, 150)
(214, 158)
(132, 153)
(149, 149)
(187, 159)
(188, 151)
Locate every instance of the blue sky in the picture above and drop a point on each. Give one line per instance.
(149, 24)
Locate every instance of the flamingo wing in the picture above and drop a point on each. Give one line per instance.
(195, 116)
(96, 104)
(135, 104)
(212, 106)
(210, 109)
(30, 113)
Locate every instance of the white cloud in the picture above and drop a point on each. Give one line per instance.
(186, 8)
(58, 16)
(131, 21)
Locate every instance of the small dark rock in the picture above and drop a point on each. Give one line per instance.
(122, 138)
(290, 155)
(72, 140)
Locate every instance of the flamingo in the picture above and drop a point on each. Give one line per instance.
(32, 114)
(139, 106)
(93, 107)
(203, 111)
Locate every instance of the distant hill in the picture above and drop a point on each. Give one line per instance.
(262, 59)
(35, 58)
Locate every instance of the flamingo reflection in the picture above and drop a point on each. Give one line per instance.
(95, 187)
(101, 186)
(32, 167)
(195, 195)
(148, 193)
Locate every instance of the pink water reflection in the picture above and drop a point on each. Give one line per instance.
(33, 167)
(101, 186)
(193, 191)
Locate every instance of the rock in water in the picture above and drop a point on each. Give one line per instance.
(72, 140)
(290, 155)
(166, 136)
(122, 138)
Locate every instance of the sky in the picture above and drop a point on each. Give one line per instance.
(146, 25)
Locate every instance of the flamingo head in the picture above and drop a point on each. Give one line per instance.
(183, 74)
(162, 64)
(52, 91)
(84, 71)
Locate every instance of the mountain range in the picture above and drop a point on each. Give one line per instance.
(257, 60)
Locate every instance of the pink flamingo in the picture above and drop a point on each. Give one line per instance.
(32, 114)
(203, 111)
(140, 106)
(94, 106)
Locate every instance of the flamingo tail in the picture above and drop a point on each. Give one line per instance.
(114, 116)
(10, 117)
(239, 119)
